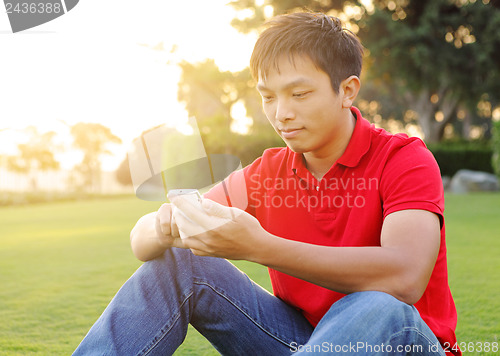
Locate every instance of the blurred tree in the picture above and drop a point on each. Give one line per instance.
(92, 139)
(258, 11)
(211, 96)
(35, 155)
(3, 158)
(439, 57)
(495, 159)
(122, 173)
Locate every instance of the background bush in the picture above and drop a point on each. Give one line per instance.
(495, 142)
(453, 156)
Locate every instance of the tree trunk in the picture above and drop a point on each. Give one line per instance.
(426, 110)
(466, 126)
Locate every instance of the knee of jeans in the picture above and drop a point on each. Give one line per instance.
(375, 308)
(386, 307)
(172, 259)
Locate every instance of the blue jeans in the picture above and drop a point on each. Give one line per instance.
(150, 315)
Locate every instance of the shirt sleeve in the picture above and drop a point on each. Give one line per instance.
(232, 191)
(411, 180)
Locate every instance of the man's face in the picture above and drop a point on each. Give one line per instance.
(301, 105)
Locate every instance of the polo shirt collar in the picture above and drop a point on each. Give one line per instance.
(360, 141)
(358, 146)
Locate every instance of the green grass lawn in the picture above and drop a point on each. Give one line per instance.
(473, 240)
(61, 263)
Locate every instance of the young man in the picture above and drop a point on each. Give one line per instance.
(348, 218)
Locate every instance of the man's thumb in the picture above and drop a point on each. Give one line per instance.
(216, 209)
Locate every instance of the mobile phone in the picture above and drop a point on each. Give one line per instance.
(192, 195)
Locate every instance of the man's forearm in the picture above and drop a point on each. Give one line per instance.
(401, 267)
(342, 269)
(144, 239)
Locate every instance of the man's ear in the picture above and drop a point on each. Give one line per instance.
(349, 89)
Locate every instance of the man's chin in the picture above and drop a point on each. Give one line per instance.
(295, 148)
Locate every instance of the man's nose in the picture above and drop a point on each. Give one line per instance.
(284, 111)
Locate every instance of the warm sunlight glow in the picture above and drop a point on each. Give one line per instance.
(241, 122)
(439, 116)
(496, 114)
(120, 72)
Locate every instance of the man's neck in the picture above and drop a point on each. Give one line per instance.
(320, 164)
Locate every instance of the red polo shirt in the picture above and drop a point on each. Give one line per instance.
(378, 174)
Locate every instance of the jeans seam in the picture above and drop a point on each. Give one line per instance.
(243, 312)
(165, 332)
(413, 329)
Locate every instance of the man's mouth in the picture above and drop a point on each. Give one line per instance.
(290, 132)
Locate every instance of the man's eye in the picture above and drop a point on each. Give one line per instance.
(301, 94)
(267, 98)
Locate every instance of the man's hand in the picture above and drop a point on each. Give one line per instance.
(165, 226)
(154, 233)
(219, 231)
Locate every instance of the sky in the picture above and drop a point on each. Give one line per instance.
(111, 62)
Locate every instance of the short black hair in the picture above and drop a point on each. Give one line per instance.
(332, 48)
